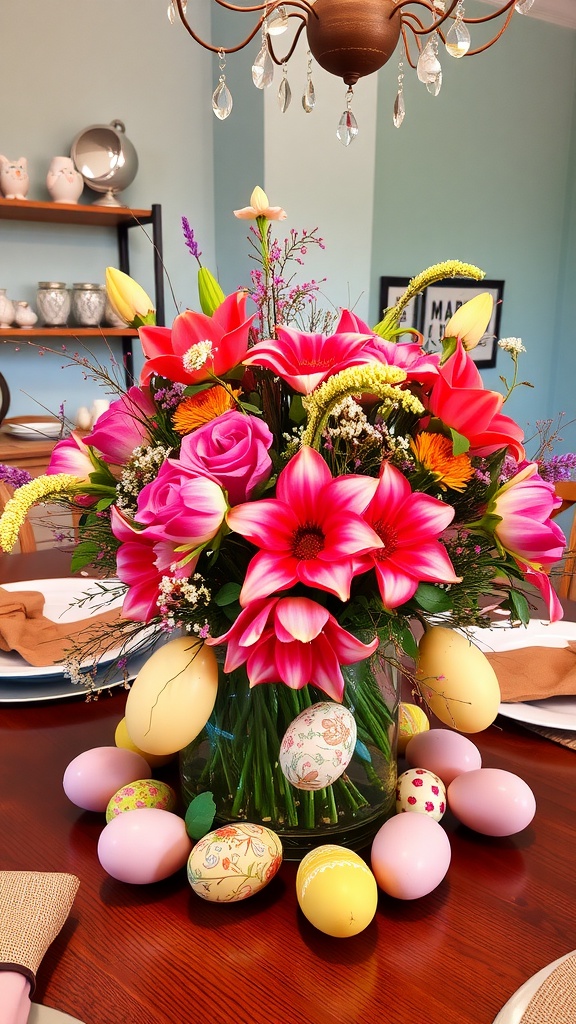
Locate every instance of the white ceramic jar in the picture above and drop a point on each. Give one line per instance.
(24, 316)
(6, 309)
(64, 183)
(53, 302)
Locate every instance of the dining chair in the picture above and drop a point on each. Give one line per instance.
(26, 536)
(565, 584)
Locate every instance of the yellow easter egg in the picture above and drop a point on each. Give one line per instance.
(172, 697)
(456, 680)
(122, 739)
(411, 721)
(336, 891)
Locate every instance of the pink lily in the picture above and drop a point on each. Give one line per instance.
(198, 346)
(260, 207)
(541, 581)
(292, 640)
(408, 525)
(71, 456)
(524, 505)
(123, 427)
(460, 400)
(141, 561)
(308, 533)
(305, 360)
(419, 365)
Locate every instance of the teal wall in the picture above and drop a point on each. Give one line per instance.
(485, 173)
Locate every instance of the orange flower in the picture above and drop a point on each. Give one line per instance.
(198, 409)
(434, 453)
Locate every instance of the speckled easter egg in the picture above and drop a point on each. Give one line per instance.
(234, 862)
(142, 793)
(422, 791)
(318, 745)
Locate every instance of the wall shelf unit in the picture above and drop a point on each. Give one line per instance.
(119, 218)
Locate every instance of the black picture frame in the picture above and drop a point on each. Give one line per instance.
(441, 300)
(391, 288)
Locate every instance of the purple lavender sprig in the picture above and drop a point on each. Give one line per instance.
(191, 243)
(14, 477)
(559, 467)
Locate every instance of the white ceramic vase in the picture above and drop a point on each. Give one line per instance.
(64, 183)
(24, 315)
(14, 180)
(6, 309)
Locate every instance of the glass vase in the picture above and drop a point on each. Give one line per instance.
(235, 758)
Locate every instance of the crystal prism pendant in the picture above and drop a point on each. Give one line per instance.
(222, 100)
(277, 23)
(399, 109)
(309, 97)
(435, 84)
(347, 129)
(458, 40)
(428, 67)
(263, 69)
(523, 6)
(284, 95)
(171, 12)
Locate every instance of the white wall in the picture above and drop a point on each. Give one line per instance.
(66, 66)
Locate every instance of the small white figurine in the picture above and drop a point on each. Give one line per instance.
(14, 179)
(64, 183)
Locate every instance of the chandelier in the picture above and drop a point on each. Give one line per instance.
(351, 39)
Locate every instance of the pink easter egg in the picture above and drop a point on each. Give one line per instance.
(93, 777)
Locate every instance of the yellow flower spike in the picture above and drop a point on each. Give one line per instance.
(387, 327)
(25, 497)
(470, 321)
(129, 299)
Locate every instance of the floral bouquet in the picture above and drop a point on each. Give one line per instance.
(303, 493)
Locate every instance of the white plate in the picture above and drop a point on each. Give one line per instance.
(517, 1005)
(34, 430)
(554, 712)
(47, 1015)
(59, 596)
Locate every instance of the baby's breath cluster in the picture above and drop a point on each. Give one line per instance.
(179, 601)
(140, 470)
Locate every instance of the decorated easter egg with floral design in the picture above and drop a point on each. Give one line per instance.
(234, 862)
(142, 793)
(318, 745)
(420, 790)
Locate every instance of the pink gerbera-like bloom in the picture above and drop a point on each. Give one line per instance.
(123, 427)
(461, 401)
(305, 360)
(308, 533)
(524, 505)
(198, 346)
(408, 525)
(292, 640)
(141, 562)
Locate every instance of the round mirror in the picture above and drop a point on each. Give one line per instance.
(106, 160)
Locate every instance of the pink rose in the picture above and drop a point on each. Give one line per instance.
(232, 450)
(182, 507)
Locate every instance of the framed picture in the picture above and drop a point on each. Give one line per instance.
(441, 300)
(391, 288)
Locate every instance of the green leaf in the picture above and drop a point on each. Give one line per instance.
(432, 599)
(297, 410)
(460, 444)
(519, 606)
(195, 389)
(248, 407)
(200, 816)
(407, 639)
(228, 594)
(84, 553)
(448, 348)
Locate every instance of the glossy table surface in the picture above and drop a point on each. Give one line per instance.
(160, 954)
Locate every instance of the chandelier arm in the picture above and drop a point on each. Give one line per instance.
(424, 3)
(268, 8)
(480, 49)
(490, 17)
(234, 49)
(283, 60)
(406, 46)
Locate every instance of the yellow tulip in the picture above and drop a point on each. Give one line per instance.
(129, 299)
(470, 321)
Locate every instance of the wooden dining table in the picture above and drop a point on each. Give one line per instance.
(158, 954)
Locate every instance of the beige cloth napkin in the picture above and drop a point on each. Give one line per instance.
(33, 908)
(40, 641)
(534, 673)
(555, 1000)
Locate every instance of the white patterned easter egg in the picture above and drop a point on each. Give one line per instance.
(234, 862)
(420, 790)
(318, 745)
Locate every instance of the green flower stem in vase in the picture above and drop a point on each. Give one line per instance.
(235, 758)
